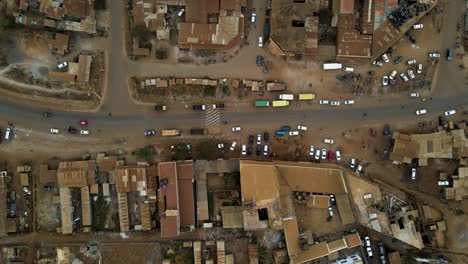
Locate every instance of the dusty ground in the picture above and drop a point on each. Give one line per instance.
(145, 254)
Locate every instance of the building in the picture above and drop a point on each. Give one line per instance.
(152, 15)
(437, 145)
(459, 189)
(60, 44)
(176, 197)
(294, 27)
(76, 72)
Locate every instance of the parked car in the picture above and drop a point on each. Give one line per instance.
(324, 102)
(266, 136)
(414, 95)
(330, 155)
(385, 80)
(330, 211)
(369, 252)
(381, 247)
(392, 75)
(293, 133)
(385, 58)
(150, 132)
(411, 74)
(280, 132)
(62, 65)
(317, 154)
(311, 151)
(435, 55)
(259, 139)
(352, 163)
(324, 154)
(259, 150)
(285, 128)
(411, 62)
(413, 174)
(220, 145)
(377, 63)
(54, 130)
(367, 241)
(443, 183)
(251, 139)
(335, 103)
(236, 129)
(449, 112)
(254, 16)
(233, 145)
(84, 132)
(260, 42)
(418, 26)
(348, 69)
(338, 155)
(420, 68)
(26, 190)
(218, 106)
(181, 12)
(265, 150)
(421, 112)
(359, 169)
(249, 150)
(244, 149)
(72, 130)
(349, 102)
(328, 141)
(201, 107)
(259, 60)
(404, 77)
(303, 128)
(83, 122)
(397, 60)
(332, 199)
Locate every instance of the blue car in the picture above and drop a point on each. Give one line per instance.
(280, 132)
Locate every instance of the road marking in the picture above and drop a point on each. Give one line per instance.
(213, 121)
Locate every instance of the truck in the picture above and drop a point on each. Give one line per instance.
(288, 97)
(262, 103)
(198, 131)
(170, 132)
(280, 103)
(303, 97)
(332, 66)
(160, 108)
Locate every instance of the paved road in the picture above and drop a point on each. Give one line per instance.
(450, 92)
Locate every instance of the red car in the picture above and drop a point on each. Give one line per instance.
(330, 155)
(83, 123)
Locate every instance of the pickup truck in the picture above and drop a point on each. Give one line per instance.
(199, 107)
(160, 108)
(198, 131)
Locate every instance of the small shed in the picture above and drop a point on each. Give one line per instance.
(24, 179)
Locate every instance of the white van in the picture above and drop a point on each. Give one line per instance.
(8, 133)
(348, 69)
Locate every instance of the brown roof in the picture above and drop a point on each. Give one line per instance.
(350, 42)
(46, 175)
(291, 235)
(196, 11)
(404, 150)
(141, 52)
(123, 211)
(230, 5)
(84, 68)
(130, 179)
(60, 43)
(185, 181)
(85, 206)
(394, 258)
(315, 251)
(170, 226)
(353, 240)
(344, 207)
(62, 76)
(77, 8)
(319, 201)
(346, 6)
(72, 177)
(337, 245)
(170, 220)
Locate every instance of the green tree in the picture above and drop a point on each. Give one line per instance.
(141, 33)
(146, 153)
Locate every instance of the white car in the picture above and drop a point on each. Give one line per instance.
(413, 174)
(348, 69)
(385, 80)
(359, 169)
(335, 103)
(236, 129)
(294, 133)
(181, 12)
(392, 75)
(84, 132)
(404, 77)
(411, 74)
(369, 252)
(304, 128)
(244, 149)
(260, 42)
(317, 154)
(324, 154)
(220, 146)
(259, 139)
(328, 141)
(419, 70)
(349, 102)
(54, 130)
(265, 150)
(443, 183)
(62, 65)
(411, 62)
(233, 145)
(434, 55)
(367, 241)
(377, 63)
(414, 95)
(385, 58)
(352, 163)
(418, 26)
(338, 155)
(324, 102)
(449, 112)
(253, 17)
(330, 211)
(311, 151)
(421, 112)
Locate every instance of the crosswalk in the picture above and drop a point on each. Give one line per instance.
(213, 121)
